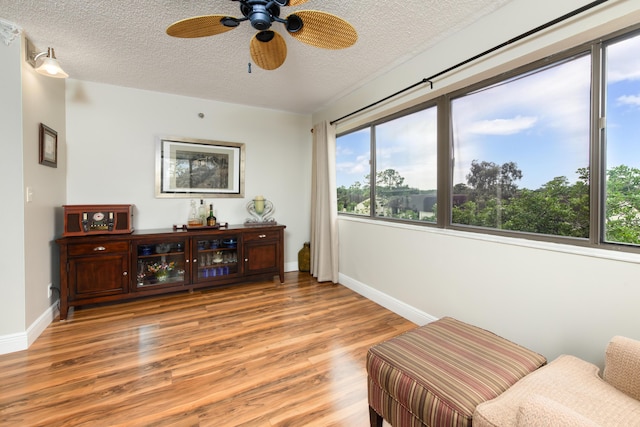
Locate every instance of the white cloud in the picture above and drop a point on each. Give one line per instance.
(342, 150)
(359, 168)
(623, 61)
(503, 126)
(630, 100)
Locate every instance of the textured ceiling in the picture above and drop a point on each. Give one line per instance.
(123, 42)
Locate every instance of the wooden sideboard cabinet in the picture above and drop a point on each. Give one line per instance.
(103, 268)
(262, 252)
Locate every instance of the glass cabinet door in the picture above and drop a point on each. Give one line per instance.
(160, 263)
(215, 257)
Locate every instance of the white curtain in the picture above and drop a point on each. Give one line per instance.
(324, 205)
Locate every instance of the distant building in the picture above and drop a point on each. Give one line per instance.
(423, 204)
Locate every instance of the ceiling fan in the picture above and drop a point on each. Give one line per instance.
(268, 48)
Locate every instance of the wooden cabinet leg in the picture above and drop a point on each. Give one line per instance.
(64, 309)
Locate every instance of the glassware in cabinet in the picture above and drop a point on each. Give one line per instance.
(215, 257)
(160, 262)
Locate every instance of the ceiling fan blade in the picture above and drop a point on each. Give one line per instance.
(282, 3)
(268, 50)
(198, 26)
(322, 29)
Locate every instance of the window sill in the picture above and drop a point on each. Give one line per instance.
(609, 254)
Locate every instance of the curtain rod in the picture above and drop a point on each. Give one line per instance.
(480, 55)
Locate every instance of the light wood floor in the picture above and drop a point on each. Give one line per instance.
(261, 354)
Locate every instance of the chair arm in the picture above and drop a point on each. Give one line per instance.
(622, 365)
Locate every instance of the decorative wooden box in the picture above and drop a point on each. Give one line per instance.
(83, 220)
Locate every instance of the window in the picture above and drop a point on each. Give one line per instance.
(352, 168)
(405, 168)
(521, 150)
(622, 136)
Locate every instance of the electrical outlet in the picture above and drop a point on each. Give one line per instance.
(49, 290)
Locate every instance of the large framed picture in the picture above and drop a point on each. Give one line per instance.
(199, 168)
(48, 146)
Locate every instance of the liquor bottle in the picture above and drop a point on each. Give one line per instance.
(211, 219)
(193, 219)
(202, 213)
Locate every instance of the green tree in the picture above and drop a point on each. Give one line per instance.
(488, 179)
(557, 208)
(349, 198)
(494, 200)
(461, 188)
(465, 213)
(389, 178)
(489, 187)
(391, 193)
(622, 207)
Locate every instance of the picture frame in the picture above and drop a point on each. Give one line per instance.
(48, 152)
(199, 168)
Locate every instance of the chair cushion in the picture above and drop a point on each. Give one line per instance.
(540, 411)
(572, 383)
(441, 371)
(622, 365)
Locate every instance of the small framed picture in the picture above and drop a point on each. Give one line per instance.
(48, 146)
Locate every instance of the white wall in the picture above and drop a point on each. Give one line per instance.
(551, 298)
(12, 307)
(28, 256)
(43, 102)
(111, 139)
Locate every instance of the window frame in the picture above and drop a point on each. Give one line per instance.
(547, 62)
(599, 104)
(373, 163)
(597, 148)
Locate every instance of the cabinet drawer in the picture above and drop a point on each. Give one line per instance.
(97, 248)
(261, 235)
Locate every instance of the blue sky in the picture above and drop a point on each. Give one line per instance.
(541, 122)
(352, 158)
(623, 104)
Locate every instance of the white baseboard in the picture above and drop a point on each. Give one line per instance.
(13, 342)
(291, 266)
(401, 308)
(22, 340)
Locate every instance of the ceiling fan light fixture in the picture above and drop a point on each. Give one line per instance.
(229, 21)
(265, 36)
(260, 19)
(261, 13)
(294, 23)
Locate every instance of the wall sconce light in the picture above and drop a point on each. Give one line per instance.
(49, 65)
